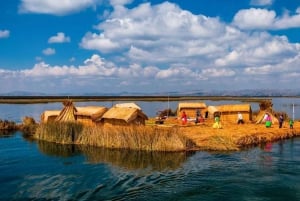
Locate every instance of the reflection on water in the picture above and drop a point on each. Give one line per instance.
(5, 134)
(126, 159)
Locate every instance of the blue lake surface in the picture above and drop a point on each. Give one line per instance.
(37, 170)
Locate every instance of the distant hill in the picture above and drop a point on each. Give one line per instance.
(245, 93)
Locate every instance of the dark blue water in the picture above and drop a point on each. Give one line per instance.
(46, 171)
(37, 170)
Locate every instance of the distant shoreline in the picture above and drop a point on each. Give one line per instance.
(53, 99)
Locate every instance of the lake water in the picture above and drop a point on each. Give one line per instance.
(37, 170)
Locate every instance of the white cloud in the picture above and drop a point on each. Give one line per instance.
(55, 7)
(163, 47)
(261, 2)
(216, 72)
(139, 31)
(98, 42)
(4, 33)
(49, 51)
(59, 38)
(256, 18)
(179, 45)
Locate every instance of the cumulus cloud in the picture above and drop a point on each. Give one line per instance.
(59, 38)
(4, 33)
(49, 51)
(120, 2)
(261, 2)
(55, 7)
(96, 69)
(138, 31)
(256, 18)
(162, 45)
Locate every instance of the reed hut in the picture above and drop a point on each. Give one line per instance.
(229, 112)
(190, 109)
(123, 116)
(49, 116)
(89, 115)
(67, 114)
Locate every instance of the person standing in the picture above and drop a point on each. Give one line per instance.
(198, 114)
(291, 122)
(217, 123)
(268, 121)
(240, 118)
(183, 118)
(281, 120)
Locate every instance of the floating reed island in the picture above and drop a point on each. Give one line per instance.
(125, 126)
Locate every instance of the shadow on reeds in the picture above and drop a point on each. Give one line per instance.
(127, 159)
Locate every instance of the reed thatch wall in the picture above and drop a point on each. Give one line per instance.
(229, 112)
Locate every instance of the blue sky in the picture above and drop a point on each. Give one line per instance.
(112, 46)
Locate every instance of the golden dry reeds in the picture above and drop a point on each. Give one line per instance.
(59, 132)
(235, 137)
(167, 137)
(148, 138)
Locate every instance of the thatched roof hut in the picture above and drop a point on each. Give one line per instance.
(68, 112)
(49, 115)
(130, 105)
(229, 112)
(124, 116)
(190, 109)
(89, 114)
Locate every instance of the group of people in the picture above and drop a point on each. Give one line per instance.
(268, 121)
(198, 118)
(240, 120)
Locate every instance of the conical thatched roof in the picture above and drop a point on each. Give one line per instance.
(68, 112)
(261, 115)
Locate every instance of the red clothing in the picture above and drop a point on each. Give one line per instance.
(184, 118)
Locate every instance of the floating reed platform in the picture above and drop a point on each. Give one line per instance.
(147, 138)
(170, 136)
